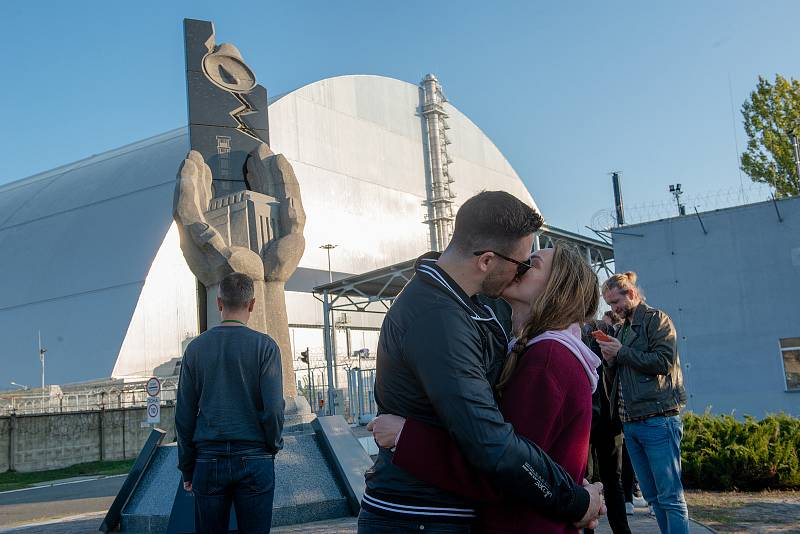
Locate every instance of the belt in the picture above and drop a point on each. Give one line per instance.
(668, 413)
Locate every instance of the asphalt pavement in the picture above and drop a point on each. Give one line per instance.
(58, 501)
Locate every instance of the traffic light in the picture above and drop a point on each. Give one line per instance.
(304, 356)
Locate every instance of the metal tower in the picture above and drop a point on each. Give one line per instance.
(440, 197)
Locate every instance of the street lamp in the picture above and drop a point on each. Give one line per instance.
(330, 357)
(676, 192)
(21, 386)
(42, 350)
(328, 247)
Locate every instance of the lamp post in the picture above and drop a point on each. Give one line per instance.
(42, 350)
(330, 330)
(796, 152)
(328, 247)
(676, 192)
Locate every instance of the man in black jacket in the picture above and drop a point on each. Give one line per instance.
(440, 353)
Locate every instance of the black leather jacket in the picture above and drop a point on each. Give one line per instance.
(439, 355)
(648, 366)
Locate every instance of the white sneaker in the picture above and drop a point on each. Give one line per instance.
(639, 502)
(629, 508)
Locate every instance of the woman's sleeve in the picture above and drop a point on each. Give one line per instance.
(429, 454)
(535, 410)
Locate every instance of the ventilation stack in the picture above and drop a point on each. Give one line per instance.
(440, 196)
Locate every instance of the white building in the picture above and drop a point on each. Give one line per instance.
(91, 256)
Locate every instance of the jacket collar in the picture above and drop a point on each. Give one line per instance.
(434, 275)
(638, 314)
(427, 266)
(636, 320)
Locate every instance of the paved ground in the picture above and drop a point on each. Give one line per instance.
(79, 507)
(45, 503)
(765, 512)
(640, 523)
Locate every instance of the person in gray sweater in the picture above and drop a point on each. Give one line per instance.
(229, 416)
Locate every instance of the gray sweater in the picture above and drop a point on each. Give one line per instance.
(230, 389)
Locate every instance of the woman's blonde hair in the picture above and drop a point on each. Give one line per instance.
(623, 282)
(571, 295)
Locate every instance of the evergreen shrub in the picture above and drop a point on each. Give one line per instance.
(723, 453)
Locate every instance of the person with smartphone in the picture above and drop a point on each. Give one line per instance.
(643, 373)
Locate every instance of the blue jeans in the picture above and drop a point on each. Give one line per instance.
(369, 523)
(231, 473)
(654, 446)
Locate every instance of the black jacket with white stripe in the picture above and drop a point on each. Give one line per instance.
(440, 353)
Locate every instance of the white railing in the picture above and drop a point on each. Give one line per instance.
(129, 396)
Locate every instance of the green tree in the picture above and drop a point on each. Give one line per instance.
(771, 116)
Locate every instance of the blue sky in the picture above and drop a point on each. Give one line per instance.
(567, 90)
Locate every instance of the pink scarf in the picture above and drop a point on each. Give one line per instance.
(571, 338)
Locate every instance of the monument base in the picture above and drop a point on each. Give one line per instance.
(297, 415)
(319, 475)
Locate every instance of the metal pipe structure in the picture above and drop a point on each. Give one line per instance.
(796, 150)
(615, 179)
(440, 197)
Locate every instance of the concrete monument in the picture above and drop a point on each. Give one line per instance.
(238, 205)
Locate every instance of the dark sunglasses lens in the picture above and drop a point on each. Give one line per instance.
(522, 268)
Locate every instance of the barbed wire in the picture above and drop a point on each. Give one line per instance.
(705, 201)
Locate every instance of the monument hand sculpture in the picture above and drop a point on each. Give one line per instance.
(211, 257)
(257, 231)
(206, 252)
(272, 175)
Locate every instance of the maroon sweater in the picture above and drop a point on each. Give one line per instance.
(548, 401)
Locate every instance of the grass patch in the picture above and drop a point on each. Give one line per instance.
(14, 480)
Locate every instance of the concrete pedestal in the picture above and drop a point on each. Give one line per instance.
(318, 476)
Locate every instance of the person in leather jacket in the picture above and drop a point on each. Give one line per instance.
(440, 354)
(645, 383)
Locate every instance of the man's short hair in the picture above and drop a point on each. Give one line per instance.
(493, 220)
(236, 291)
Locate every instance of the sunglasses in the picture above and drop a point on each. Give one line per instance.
(522, 267)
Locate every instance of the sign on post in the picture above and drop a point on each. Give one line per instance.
(153, 410)
(153, 387)
(153, 401)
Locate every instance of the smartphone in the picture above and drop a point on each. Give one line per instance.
(600, 336)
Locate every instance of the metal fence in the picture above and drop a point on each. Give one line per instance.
(361, 393)
(355, 402)
(127, 396)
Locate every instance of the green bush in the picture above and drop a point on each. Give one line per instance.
(723, 453)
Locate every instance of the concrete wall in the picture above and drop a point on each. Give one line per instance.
(51, 441)
(732, 293)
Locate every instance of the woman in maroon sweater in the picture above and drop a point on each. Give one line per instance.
(545, 391)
